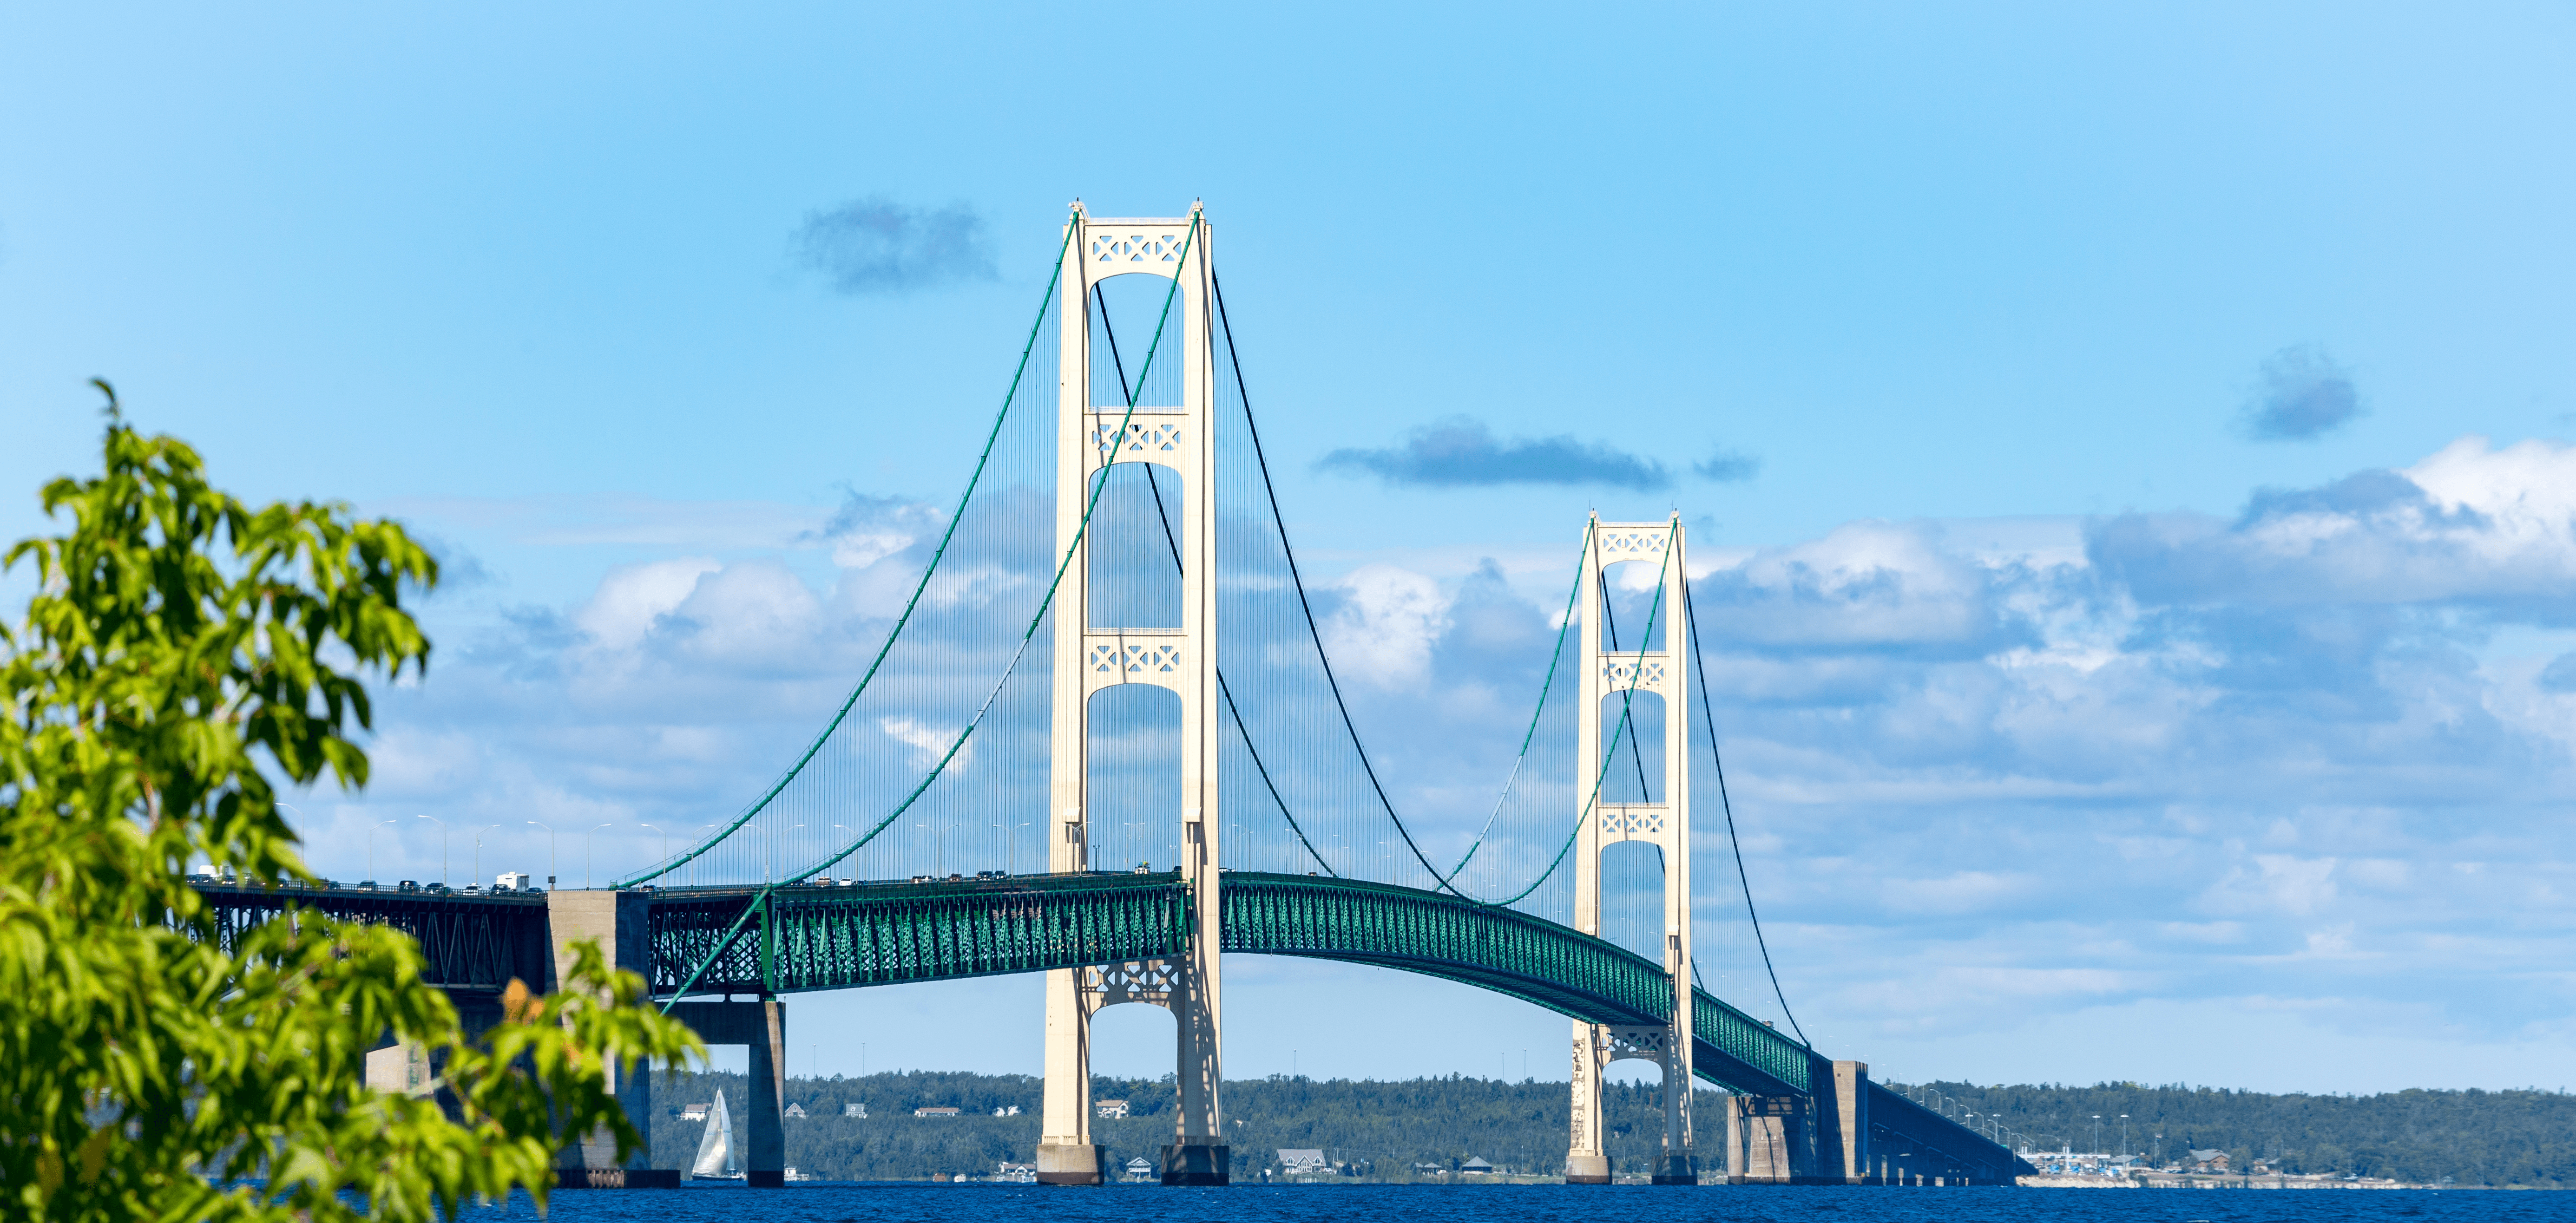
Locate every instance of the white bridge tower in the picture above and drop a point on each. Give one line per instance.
(1090, 437)
(1613, 680)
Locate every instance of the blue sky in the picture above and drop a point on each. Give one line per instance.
(2123, 444)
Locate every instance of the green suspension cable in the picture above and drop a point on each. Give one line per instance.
(1071, 550)
(1627, 702)
(1565, 624)
(1099, 484)
(838, 716)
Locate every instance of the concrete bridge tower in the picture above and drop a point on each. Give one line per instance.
(1614, 681)
(1091, 436)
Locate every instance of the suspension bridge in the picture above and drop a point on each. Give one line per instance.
(1109, 661)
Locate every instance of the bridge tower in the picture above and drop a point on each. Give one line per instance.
(1611, 681)
(1177, 437)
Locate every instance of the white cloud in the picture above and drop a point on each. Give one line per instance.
(1384, 631)
(752, 612)
(928, 743)
(1962, 892)
(632, 597)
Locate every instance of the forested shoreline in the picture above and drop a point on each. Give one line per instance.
(2476, 1137)
(1399, 1131)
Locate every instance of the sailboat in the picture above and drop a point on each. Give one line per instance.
(715, 1151)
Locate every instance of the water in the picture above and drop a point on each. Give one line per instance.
(895, 1203)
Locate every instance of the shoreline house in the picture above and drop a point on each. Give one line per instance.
(1109, 1108)
(694, 1112)
(940, 1111)
(1301, 1161)
(2207, 1160)
(796, 1110)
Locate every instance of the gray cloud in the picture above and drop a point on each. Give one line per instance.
(2375, 537)
(1726, 466)
(1461, 451)
(875, 245)
(2304, 395)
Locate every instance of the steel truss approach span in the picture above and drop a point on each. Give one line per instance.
(827, 937)
(471, 944)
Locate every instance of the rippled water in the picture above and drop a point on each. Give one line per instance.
(875, 1203)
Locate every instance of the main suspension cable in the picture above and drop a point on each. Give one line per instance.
(1281, 522)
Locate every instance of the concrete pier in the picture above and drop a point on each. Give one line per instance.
(762, 1027)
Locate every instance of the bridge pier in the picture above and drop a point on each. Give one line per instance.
(762, 1026)
(1770, 1140)
(1844, 1126)
(616, 921)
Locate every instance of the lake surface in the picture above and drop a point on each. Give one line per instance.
(881, 1203)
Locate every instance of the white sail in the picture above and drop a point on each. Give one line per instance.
(715, 1151)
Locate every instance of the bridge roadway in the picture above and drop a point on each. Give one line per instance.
(825, 936)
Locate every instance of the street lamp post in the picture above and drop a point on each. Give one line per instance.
(550, 854)
(443, 880)
(666, 841)
(1010, 846)
(371, 848)
(586, 843)
(478, 850)
(791, 827)
(2097, 1131)
(2124, 1135)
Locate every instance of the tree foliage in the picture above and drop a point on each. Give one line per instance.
(183, 656)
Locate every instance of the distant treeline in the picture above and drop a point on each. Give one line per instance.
(1396, 1131)
(1386, 1129)
(2525, 1137)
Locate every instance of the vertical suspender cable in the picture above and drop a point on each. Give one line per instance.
(1709, 712)
(1163, 516)
(1299, 581)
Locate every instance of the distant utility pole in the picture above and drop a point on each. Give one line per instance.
(2097, 1131)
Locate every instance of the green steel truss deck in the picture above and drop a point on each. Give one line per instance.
(838, 937)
